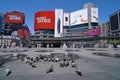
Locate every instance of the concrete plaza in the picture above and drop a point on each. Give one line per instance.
(93, 67)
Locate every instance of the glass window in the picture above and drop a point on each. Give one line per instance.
(114, 22)
(94, 24)
(66, 18)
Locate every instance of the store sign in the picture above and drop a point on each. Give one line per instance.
(43, 20)
(14, 17)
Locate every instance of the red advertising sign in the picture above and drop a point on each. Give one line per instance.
(44, 20)
(21, 32)
(26, 32)
(14, 17)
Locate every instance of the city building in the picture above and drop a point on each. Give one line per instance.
(83, 20)
(115, 24)
(80, 23)
(105, 29)
(13, 29)
(2, 23)
(58, 24)
(105, 32)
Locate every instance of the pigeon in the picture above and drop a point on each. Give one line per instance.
(78, 72)
(50, 69)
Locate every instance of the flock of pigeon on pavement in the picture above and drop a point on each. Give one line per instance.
(63, 62)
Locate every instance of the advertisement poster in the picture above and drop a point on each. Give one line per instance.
(58, 22)
(94, 32)
(79, 17)
(94, 15)
(14, 17)
(44, 20)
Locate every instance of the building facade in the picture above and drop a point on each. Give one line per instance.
(2, 23)
(58, 25)
(115, 24)
(105, 29)
(80, 23)
(13, 29)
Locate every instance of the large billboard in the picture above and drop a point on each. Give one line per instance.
(58, 22)
(44, 20)
(21, 33)
(14, 17)
(94, 15)
(94, 32)
(26, 32)
(79, 17)
(66, 19)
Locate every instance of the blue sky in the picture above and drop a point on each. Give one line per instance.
(30, 7)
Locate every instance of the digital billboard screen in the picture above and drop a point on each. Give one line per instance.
(14, 17)
(94, 32)
(79, 17)
(21, 32)
(26, 32)
(44, 20)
